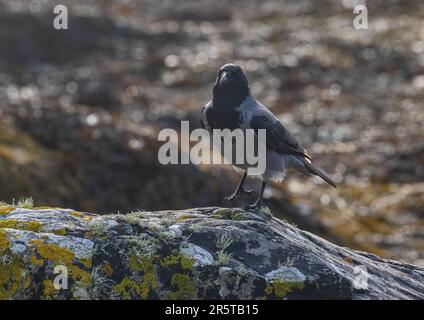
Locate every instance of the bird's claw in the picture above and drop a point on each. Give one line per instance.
(238, 193)
(232, 197)
(249, 192)
(255, 206)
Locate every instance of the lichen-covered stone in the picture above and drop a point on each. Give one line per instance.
(214, 253)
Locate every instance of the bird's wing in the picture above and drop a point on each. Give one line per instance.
(278, 138)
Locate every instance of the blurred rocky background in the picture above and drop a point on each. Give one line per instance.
(80, 108)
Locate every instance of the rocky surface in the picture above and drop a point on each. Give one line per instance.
(80, 109)
(214, 253)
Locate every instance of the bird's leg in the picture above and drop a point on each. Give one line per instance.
(240, 189)
(237, 192)
(258, 202)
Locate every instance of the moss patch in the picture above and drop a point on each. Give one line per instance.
(185, 287)
(53, 252)
(79, 275)
(6, 210)
(280, 289)
(228, 214)
(80, 215)
(11, 278)
(4, 242)
(107, 268)
(49, 291)
(177, 258)
(59, 255)
(21, 225)
(11, 273)
(129, 288)
(185, 217)
(59, 232)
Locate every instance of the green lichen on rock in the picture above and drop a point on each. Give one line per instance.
(185, 287)
(222, 213)
(177, 258)
(4, 242)
(5, 209)
(235, 214)
(280, 289)
(10, 272)
(21, 225)
(127, 289)
(145, 270)
(11, 277)
(52, 252)
(49, 291)
(225, 254)
(48, 252)
(59, 231)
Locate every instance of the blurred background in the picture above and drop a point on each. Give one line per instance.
(80, 108)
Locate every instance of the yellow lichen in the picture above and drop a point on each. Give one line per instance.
(129, 288)
(281, 288)
(222, 213)
(4, 241)
(135, 263)
(59, 232)
(10, 278)
(237, 216)
(185, 288)
(185, 217)
(169, 260)
(86, 262)
(177, 258)
(10, 224)
(36, 262)
(53, 252)
(10, 271)
(107, 268)
(33, 226)
(6, 210)
(28, 281)
(21, 225)
(79, 275)
(63, 256)
(149, 279)
(149, 282)
(80, 215)
(49, 290)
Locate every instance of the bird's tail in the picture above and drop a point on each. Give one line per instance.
(314, 170)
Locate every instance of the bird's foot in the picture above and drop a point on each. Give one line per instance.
(248, 191)
(257, 205)
(232, 196)
(238, 193)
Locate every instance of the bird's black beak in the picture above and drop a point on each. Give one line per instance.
(225, 78)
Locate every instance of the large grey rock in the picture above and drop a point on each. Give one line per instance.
(214, 253)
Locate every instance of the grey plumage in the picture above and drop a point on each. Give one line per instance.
(233, 106)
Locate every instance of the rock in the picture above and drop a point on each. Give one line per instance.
(214, 253)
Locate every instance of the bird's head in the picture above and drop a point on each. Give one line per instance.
(231, 84)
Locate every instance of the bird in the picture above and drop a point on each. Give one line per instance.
(234, 107)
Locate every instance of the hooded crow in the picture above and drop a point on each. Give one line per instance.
(234, 107)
